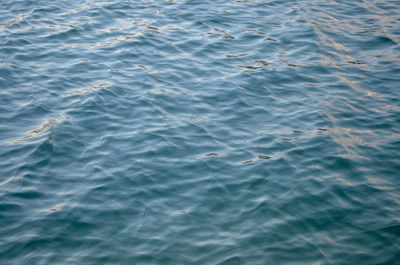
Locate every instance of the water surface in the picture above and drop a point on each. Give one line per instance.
(200, 132)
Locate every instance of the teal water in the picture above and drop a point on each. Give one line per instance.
(200, 132)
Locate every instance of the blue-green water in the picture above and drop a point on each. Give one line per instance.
(200, 132)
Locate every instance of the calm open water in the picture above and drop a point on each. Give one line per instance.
(200, 132)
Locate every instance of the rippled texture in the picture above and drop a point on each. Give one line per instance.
(200, 132)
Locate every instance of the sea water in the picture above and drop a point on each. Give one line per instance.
(200, 132)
